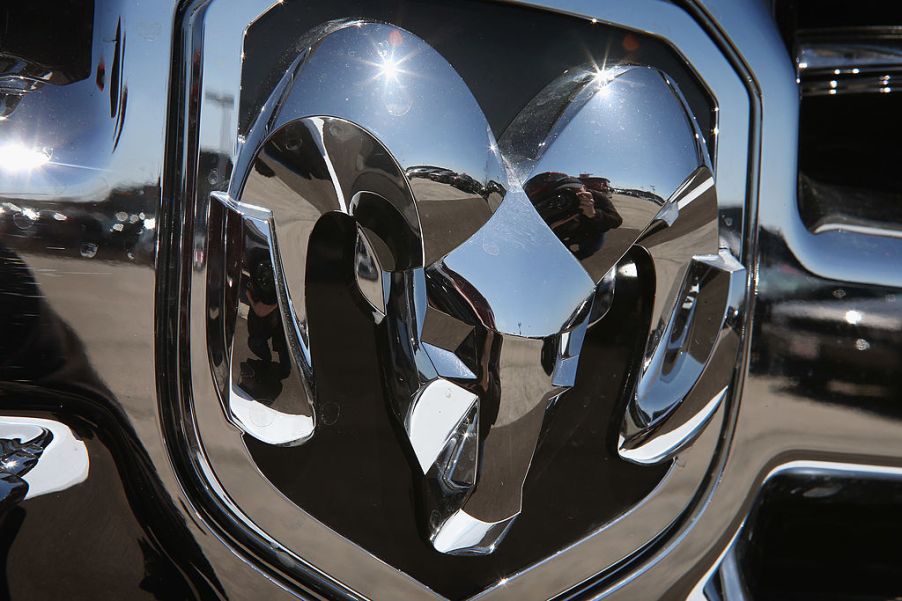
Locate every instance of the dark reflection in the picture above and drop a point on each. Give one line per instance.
(826, 340)
(492, 192)
(26, 28)
(107, 540)
(261, 376)
(841, 346)
(120, 228)
(28, 61)
(577, 209)
(848, 167)
(37, 346)
(11, 519)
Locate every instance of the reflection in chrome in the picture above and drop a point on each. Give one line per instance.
(865, 60)
(17, 157)
(608, 130)
(689, 361)
(17, 458)
(484, 262)
(38, 456)
(724, 581)
(251, 381)
(858, 229)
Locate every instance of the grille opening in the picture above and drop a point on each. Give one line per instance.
(824, 537)
(848, 57)
(46, 40)
(795, 15)
(849, 172)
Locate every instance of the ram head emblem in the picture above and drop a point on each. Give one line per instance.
(482, 261)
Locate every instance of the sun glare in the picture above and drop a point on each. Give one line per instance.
(16, 157)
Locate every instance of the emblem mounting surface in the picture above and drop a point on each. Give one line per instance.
(480, 254)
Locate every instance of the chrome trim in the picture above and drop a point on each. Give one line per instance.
(698, 592)
(59, 459)
(219, 71)
(865, 60)
(284, 419)
(866, 230)
(838, 468)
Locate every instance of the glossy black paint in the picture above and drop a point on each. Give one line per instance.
(825, 340)
(109, 537)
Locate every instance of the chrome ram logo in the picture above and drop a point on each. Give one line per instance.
(483, 261)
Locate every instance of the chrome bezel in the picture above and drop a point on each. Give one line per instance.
(252, 503)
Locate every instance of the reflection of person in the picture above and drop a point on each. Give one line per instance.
(265, 334)
(577, 209)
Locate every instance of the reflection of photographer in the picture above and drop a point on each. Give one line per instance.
(265, 334)
(577, 209)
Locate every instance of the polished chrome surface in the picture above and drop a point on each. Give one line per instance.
(580, 120)
(866, 60)
(434, 230)
(86, 285)
(836, 254)
(108, 149)
(42, 454)
(723, 582)
(826, 413)
(246, 299)
(84, 104)
(688, 367)
(511, 271)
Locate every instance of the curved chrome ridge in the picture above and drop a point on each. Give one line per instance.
(37, 457)
(689, 364)
(434, 416)
(251, 388)
(482, 262)
(724, 580)
(463, 531)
